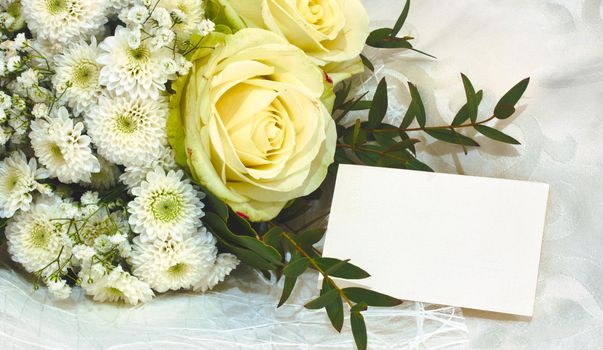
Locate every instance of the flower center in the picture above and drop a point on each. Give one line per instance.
(11, 181)
(139, 55)
(39, 236)
(85, 74)
(166, 206)
(126, 124)
(56, 153)
(114, 292)
(318, 13)
(56, 6)
(178, 269)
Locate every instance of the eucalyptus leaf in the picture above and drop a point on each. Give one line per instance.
(367, 63)
(379, 106)
(287, 289)
(370, 297)
(496, 134)
(409, 116)
(257, 246)
(296, 267)
(416, 164)
(418, 106)
(359, 330)
(401, 20)
(451, 136)
(472, 103)
(463, 114)
(344, 270)
(377, 36)
(274, 238)
(311, 236)
(334, 309)
(323, 300)
(361, 106)
(506, 105)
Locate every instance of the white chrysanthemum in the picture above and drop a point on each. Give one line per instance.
(59, 289)
(64, 21)
(35, 237)
(189, 13)
(17, 181)
(165, 204)
(63, 149)
(128, 132)
(133, 176)
(77, 66)
(170, 264)
(107, 177)
(115, 286)
(135, 72)
(224, 265)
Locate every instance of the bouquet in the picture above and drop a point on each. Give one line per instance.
(149, 146)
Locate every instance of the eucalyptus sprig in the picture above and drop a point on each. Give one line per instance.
(376, 143)
(387, 38)
(265, 247)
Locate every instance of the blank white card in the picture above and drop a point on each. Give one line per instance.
(439, 238)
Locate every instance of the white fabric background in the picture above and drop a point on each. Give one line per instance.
(497, 43)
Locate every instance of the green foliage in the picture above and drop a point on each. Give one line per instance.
(375, 143)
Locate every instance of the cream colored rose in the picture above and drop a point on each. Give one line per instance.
(249, 123)
(331, 31)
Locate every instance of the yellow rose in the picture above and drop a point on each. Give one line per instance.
(331, 31)
(249, 122)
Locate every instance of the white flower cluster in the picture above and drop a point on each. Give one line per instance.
(90, 193)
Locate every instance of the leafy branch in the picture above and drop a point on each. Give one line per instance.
(375, 143)
(266, 250)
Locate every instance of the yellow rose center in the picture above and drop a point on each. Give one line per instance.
(321, 14)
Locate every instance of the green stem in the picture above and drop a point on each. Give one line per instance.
(318, 268)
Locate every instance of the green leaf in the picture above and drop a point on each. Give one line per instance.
(358, 135)
(367, 63)
(341, 95)
(296, 267)
(472, 104)
(346, 270)
(379, 106)
(377, 36)
(463, 114)
(496, 134)
(418, 106)
(370, 297)
(241, 226)
(322, 301)
(311, 236)
(409, 116)
(359, 307)
(359, 330)
(287, 289)
(401, 20)
(257, 246)
(451, 136)
(274, 238)
(214, 204)
(506, 105)
(404, 144)
(361, 106)
(416, 164)
(334, 309)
